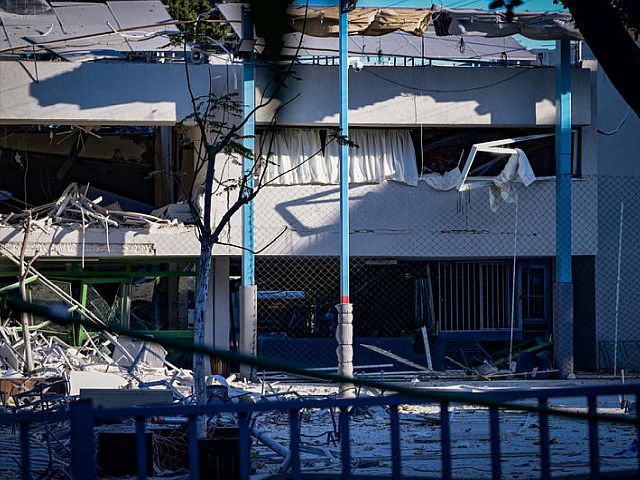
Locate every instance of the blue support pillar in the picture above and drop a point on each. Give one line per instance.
(344, 332)
(344, 158)
(248, 289)
(248, 270)
(563, 288)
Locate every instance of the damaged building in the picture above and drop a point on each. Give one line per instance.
(96, 142)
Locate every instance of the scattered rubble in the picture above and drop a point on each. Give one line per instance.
(74, 208)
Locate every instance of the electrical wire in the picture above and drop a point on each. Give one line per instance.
(617, 129)
(433, 90)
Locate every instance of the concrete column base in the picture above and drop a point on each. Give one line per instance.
(344, 350)
(563, 329)
(248, 327)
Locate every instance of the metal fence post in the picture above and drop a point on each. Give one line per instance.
(83, 453)
(25, 450)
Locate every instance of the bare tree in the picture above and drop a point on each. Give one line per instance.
(219, 121)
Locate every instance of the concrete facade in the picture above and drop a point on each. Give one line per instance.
(389, 219)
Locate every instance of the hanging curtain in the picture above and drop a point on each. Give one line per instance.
(292, 156)
(381, 155)
(295, 158)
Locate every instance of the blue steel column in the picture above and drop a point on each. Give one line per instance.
(248, 289)
(248, 273)
(563, 288)
(344, 158)
(344, 332)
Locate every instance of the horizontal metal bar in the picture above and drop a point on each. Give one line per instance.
(488, 398)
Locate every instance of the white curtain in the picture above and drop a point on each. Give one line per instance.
(295, 157)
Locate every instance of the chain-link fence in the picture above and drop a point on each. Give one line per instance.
(473, 278)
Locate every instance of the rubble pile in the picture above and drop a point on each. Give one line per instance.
(135, 372)
(74, 208)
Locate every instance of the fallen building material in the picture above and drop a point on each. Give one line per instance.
(91, 380)
(73, 207)
(112, 398)
(59, 292)
(152, 354)
(395, 357)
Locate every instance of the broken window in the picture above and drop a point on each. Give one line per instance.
(39, 162)
(440, 150)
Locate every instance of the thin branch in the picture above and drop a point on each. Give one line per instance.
(255, 252)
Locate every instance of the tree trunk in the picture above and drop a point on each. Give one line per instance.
(202, 291)
(611, 44)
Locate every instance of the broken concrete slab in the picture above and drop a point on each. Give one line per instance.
(80, 380)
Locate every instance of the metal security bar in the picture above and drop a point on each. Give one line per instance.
(83, 419)
(474, 296)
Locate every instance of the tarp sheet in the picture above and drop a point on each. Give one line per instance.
(324, 22)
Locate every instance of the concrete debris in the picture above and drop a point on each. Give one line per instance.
(74, 208)
(149, 353)
(180, 211)
(79, 381)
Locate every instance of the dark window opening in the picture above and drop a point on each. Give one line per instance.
(439, 150)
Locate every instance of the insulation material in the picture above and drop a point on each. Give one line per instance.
(324, 22)
(73, 207)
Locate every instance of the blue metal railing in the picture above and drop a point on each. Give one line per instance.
(83, 419)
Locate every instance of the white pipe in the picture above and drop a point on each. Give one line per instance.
(615, 339)
(513, 283)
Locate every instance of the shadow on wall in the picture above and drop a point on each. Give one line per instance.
(143, 89)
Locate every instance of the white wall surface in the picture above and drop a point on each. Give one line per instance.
(114, 93)
(431, 96)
